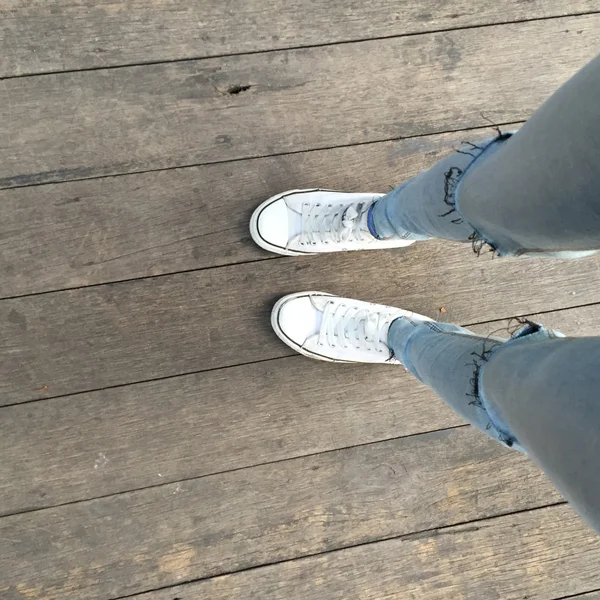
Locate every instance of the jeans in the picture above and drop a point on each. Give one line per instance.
(531, 192)
(536, 191)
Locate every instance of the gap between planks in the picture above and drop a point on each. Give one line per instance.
(104, 421)
(63, 37)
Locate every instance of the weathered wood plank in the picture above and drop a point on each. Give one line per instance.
(538, 555)
(165, 431)
(58, 35)
(161, 536)
(137, 436)
(100, 230)
(78, 340)
(78, 125)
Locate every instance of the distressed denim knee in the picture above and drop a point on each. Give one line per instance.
(530, 332)
(430, 205)
(451, 360)
(425, 206)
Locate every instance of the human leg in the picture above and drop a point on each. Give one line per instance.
(532, 192)
(536, 392)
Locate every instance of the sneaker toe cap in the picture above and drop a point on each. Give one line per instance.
(272, 223)
(297, 319)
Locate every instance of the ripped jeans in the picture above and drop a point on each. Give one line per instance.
(536, 191)
(533, 192)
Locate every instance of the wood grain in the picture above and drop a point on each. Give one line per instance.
(158, 537)
(100, 230)
(84, 124)
(167, 431)
(91, 338)
(58, 35)
(219, 458)
(537, 555)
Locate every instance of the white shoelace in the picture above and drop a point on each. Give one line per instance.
(345, 326)
(332, 223)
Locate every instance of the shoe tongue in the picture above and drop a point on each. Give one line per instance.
(383, 334)
(348, 221)
(351, 215)
(294, 224)
(371, 328)
(364, 222)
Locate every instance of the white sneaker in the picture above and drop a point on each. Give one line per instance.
(311, 221)
(336, 329)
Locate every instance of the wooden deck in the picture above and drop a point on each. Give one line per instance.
(156, 441)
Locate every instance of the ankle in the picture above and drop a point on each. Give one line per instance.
(385, 224)
(378, 222)
(400, 332)
(371, 222)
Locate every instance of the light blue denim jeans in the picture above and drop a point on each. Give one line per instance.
(533, 192)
